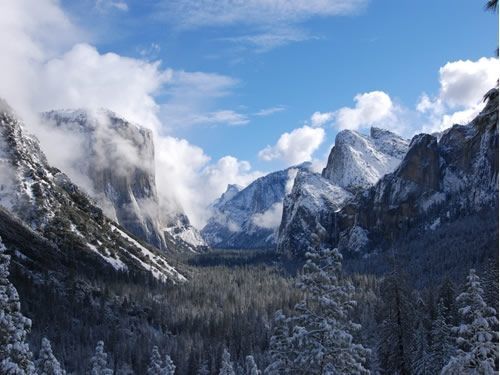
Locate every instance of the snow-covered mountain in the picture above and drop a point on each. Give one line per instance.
(439, 181)
(56, 211)
(436, 182)
(250, 217)
(307, 212)
(358, 161)
(116, 166)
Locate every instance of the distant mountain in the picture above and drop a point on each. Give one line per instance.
(356, 162)
(438, 181)
(117, 163)
(437, 208)
(307, 211)
(44, 204)
(249, 218)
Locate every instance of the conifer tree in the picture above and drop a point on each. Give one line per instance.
(99, 362)
(47, 363)
(251, 366)
(203, 369)
(169, 368)
(15, 354)
(477, 338)
(420, 345)
(442, 345)
(155, 363)
(396, 327)
(321, 340)
(227, 365)
(279, 346)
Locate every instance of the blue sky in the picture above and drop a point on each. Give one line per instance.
(232, 89)
(393, 46)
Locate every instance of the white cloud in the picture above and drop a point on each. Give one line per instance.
(462, 86)
(296, 146)
(463, 83)
(46, 64)
(270, 219)
(196, 13)
(272, 37)
(83, 77)
(105, 5)
(267, 23)
(270, 111)
(191, 98)
(371, 108)
(320, 119)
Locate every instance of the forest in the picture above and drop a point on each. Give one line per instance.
(243, 313)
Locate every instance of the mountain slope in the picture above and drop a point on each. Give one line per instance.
(358, 161)
(307, 211)
(116, 165)
(438, 181)
(250, 218)
(57, 210)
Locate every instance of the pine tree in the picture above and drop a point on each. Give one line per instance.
(15, 354)
(477, 338)
(227, 365)
(279, 346)
(420, 354)
(99, 362)
(203, 369)
(396, 327)
(321, 340)
(169, 368)
(251, 366)
(448, 295)
(420, 345)
(47, 363)
(155, 363)
(442, 346)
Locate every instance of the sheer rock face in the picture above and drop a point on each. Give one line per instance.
(437, 182)
(358, 161)
(59, 213)
(397, 187)
(250, 217)
(307, 213)
(116, 165)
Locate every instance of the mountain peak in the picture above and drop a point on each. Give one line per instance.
(358, 161)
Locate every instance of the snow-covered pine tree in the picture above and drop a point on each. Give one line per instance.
(396, 328)
(203, 369)
(47, 363)
(251, 366)
(15, 354)
(226, 366)
(155, 363)
(447, 293)
(321, 340)
(420, 345)
(169, 368)
(420, 354)
(441, 341)
(279, 347)
(477, 340)
(99, 362)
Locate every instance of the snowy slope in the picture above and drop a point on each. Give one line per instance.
(358, 161)
(48, 202)
(307, 212)
(251, 217)
(438, 182)
(114, 162)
